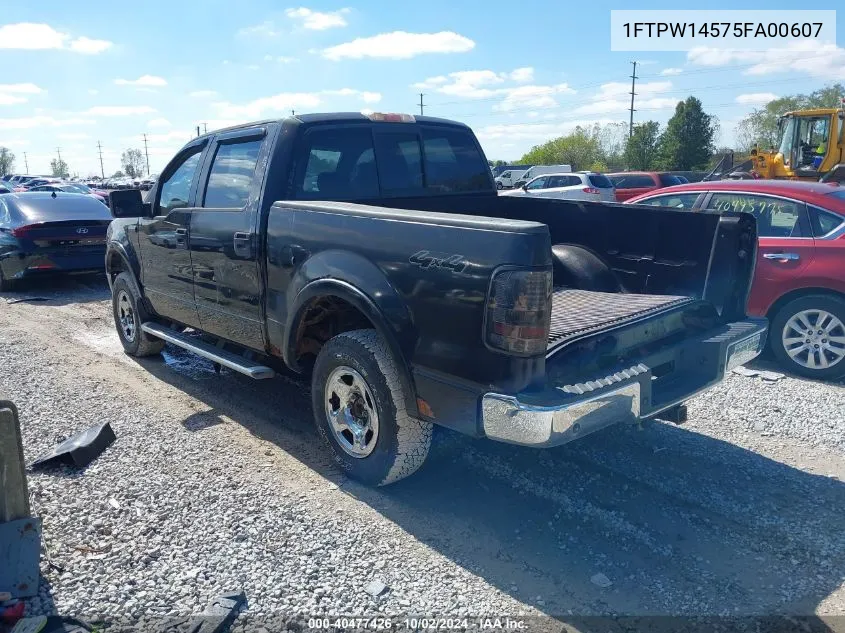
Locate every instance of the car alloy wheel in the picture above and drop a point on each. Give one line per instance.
(815, 339)
(351, 411)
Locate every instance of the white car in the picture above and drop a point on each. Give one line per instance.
(579, 185)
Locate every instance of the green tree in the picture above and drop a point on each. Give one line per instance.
(7, 161)
(761, 126)
(642, 146)
(687, 141)
(133, 162)
(582, 149)
(118, 174)
(59, 168)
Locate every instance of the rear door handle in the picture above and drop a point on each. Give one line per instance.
(181, 231)
(783, 256)
(243, 244)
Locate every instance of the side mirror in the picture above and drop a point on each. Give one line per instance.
(525, 187)
(127, 203)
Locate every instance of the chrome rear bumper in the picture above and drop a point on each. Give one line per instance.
(564, 413)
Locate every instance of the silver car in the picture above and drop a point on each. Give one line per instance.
(578, 185)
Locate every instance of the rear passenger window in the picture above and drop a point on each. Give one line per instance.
(231, 175)
(634, 182)
(673, 201)
(337, 164)
(453, 162)
(824, 222)
(600, 181)
(399, 163)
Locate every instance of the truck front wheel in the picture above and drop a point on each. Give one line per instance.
(128, 315)
(359, 410)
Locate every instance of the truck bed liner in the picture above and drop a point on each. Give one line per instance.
(579, 312)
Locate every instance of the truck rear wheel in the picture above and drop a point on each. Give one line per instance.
(129, 313)
(359, 410)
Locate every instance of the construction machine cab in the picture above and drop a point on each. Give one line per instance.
(811, 145)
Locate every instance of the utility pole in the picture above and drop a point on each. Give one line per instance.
(102, 170)
(293, 112)
(25, 162)
(205, 128)
(633, 93)
(421, 104)
(147, 154)
(198, 130)
(59, 164)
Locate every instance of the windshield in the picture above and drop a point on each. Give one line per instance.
(787, 140)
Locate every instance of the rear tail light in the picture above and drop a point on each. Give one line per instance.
(591, 190)
(22, 231)
(519, 311)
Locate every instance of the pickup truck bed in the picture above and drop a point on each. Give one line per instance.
(577, 313)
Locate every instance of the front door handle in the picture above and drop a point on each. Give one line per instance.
(243, 244)
(794, 257)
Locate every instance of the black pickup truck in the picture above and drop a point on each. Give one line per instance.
(373, 252)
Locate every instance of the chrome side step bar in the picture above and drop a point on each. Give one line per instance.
(212, 353)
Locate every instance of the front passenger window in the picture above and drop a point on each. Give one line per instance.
(176, 188)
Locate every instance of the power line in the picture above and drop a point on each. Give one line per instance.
(421, 104)
(147, 153)
(633, 94)
(102, 170)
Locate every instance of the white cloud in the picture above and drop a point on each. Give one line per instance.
(756, 98)
(11, 99)
(159, 122)
(202, 94)
(31, 36)
(253, 67)
(88, 46)
(14, 142)
(531, 97)
(39, 36)
(286, 101)
(400, 45)
(143, 80)
(73, 136)
(668, 72)
(523, 74)
(175, 136)
(93, 91)
(533, 131)
(119, 110)
(316, 20)
(30, 89)
(614, 97)
(265, 29)
(810, 57)
(471, 84)
(280, 59)
(24, 123)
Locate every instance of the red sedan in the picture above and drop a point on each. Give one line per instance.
(634, 183)
(799, 283)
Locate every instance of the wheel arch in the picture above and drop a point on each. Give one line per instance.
(798, 293)
(343, 295)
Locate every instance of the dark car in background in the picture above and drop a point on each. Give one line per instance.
(72, 187)
(43, 233)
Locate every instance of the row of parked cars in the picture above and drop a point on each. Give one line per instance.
(125, 183)
(19, 184)
(588, 185)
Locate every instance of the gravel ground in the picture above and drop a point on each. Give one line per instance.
(218, 483)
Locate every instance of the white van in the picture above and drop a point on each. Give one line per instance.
(508, 178)
(540, 170)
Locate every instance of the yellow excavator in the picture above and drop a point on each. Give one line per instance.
(812, 147)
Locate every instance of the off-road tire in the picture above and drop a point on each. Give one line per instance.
(403, 441)
(829, 303)
(142, 344)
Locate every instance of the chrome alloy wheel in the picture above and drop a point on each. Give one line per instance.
(351, 411)
(814, 339)
(126, 316)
